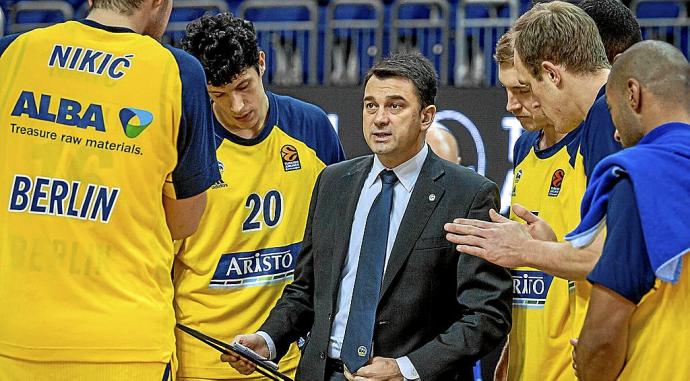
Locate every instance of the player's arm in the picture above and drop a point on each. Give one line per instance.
(621, 278)
(561, 259)
(600, 352)
(183, 216)
(184, 197)
(509, 244)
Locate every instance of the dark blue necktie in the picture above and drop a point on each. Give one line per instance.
(359, 332)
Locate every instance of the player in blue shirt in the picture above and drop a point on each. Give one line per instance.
(637, 327)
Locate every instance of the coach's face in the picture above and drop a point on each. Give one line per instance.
(393, 120)
(548, 93)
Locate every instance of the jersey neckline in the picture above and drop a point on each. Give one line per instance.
(271, 121)
(108, 28)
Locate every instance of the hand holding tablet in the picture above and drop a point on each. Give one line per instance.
(263, 366)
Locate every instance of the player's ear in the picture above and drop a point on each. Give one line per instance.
(634, 94)
(551, 72)
(262, 63)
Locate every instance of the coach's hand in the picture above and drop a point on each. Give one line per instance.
(254, 342)
(498, 242)
(378, 369)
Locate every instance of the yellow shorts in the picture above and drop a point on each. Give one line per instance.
(12, 369)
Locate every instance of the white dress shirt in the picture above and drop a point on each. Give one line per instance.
(407, 174)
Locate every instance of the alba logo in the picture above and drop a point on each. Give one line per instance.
(134, 121)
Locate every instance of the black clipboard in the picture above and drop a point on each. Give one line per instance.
(263, 366)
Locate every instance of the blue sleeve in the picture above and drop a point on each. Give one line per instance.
(309, 124)
(197, 166)
(597, 139)
(327, 143)
(624, 264)
(523, 145)
(6, 41)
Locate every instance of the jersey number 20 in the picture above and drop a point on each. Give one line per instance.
(271, 205)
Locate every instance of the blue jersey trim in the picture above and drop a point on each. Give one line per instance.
(598, 130)
(524, 144)
(6, 41)
(271, 119)
(300, 120)
(530, 141)
(570, 140)
(197, 166)
(624, 265)
(108, 28)
(310, 125)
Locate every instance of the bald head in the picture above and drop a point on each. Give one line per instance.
(443, 143)
(658, 66)
(648, 86)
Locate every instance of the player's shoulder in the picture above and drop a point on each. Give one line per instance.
(526, 142)
(188, 65)
(599, 110)
(306, 123)
(6, 41)
(297, 110)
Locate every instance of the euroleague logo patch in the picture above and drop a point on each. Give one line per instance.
(556, 183)
(290, 158)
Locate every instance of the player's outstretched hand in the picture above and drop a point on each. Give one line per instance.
(537, 227)
(498, 242)
(254, 342)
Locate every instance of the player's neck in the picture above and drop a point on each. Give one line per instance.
(549, 137)
(677, 113)
(116, 19)
(587, 90)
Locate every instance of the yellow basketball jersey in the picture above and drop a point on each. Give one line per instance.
(230, 273)
(596, 142)
(93, 124)
(659, 341)
(550, 183)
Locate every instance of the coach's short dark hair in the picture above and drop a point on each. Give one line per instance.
(616, 23)
(412, 66)
(126, 7)
(225, 45)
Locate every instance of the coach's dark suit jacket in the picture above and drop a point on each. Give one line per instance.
(442, 309)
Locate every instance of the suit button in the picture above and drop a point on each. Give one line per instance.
(330, 317)
(322, 355)
(383, 322)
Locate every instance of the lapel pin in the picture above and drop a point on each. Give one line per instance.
(432, 197)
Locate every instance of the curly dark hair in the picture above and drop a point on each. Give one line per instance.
(225, 45)
(617, 25)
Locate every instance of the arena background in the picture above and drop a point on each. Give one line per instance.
(318, 51)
